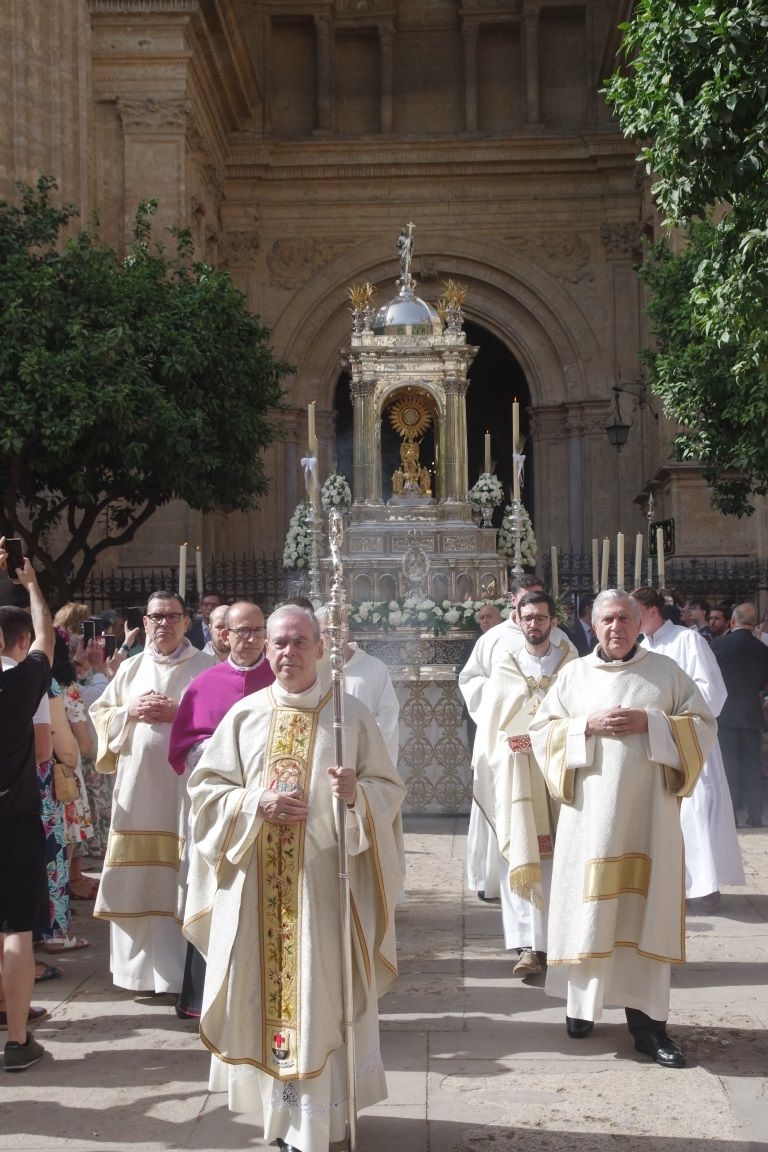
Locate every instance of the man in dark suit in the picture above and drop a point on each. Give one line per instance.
(581, 632)
(200, 632)
(743, 661)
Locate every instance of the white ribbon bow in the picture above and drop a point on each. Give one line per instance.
(309, 464)
(519, 462)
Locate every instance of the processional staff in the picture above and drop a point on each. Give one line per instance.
(337, 629)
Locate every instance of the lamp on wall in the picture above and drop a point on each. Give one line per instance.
(618, 429)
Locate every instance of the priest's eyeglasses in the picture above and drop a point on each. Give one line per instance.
(244, 633)
(539, 618)
(168, 617)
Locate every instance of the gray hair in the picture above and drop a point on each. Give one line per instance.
(744, 614)
(293, 610)
(615, 594)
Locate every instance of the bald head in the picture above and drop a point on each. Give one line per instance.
(245, 632)
(744, 616)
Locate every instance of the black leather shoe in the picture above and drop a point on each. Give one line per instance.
(286, 1147)
(578, 1029)
(660, 1048)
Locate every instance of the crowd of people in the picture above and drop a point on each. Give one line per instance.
(197, 759)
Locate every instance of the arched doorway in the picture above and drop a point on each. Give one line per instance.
(496, 380)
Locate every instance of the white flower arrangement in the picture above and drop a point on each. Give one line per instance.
(336, 493)
(505, 544)
(412, 612)
(487, 490)
(298, 540)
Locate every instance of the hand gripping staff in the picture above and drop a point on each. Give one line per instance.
(337, 628)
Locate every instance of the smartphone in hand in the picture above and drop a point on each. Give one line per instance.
(134, 617)
(110, 645)
(15, 557)
(89, 632)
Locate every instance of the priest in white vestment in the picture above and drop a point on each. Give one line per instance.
(508, 786)
(621, 737)
(263, 904)
(712, 853)
(476, 675)
(143, 883)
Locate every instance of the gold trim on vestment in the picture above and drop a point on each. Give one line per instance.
(607, 878)
(691, 758)
(221, 858)
(288, 765)
(259, 1063)
(556, 754)
(606, 955)
(144, 849)
(136, 915)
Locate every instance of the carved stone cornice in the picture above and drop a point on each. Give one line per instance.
(151, 115)
(238, 247)
(144, 7)
(622, 240)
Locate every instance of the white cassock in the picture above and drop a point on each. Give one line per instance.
(263, 908)
(143, 883)
(488, 652)
(616, 917)
(712, 853)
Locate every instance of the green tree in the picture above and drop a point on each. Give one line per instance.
(125, 383)
(694, 93)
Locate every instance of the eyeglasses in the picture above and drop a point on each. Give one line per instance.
(537, 619)
(168, 617)
(244, 633)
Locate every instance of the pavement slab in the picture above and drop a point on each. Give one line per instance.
(477, 1060)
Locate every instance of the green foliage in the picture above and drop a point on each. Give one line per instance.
(706, 384)
(125, 384)
(695, 92)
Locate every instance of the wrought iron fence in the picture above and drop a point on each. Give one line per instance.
(715, 578)
(258, 578)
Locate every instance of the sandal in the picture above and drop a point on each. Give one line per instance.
(34, 1017)
(87, 889)
(64, 944)
(48, 972)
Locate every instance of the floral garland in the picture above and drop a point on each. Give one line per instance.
(298, 540)
(426, 614)
(487, 490)
(336, 493)
(505, 544)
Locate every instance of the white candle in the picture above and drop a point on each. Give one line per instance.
(182, 569)
(638, 559)
(487, 452)
(515, 449)
(555, 581)
(199, 570)
(660, 555)
(606, 560)
(619, 559)
(650, 571)
(595, 565)
(311, 434)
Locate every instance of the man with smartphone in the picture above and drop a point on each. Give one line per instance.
(23, 881)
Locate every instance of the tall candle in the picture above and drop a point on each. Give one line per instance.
(515, 449)
(487, 452)
(311, 434)
(619, 559)
(199, 570)
(638, 559)
(606, 559)
(595, 565)
(650, 571)
(555, 581)
(660, 555)
(182, 569)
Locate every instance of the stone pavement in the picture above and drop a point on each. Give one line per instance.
(477, 1061)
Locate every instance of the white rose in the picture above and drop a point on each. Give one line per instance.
(395, 619)
(451, 616)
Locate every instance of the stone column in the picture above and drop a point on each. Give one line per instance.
(366, 459)
(323, 32)
(453, 442)
(531, 51)
(470, 77)
(550, 438)
(386, 46)
(584, 425)
(155, 151)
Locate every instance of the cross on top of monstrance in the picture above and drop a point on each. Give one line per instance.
(410, 417)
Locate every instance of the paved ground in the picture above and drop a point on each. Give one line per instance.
(477, 1061)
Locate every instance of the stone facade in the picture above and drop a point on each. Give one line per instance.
(295, 138)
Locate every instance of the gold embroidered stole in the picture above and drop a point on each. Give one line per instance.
(288, 764)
